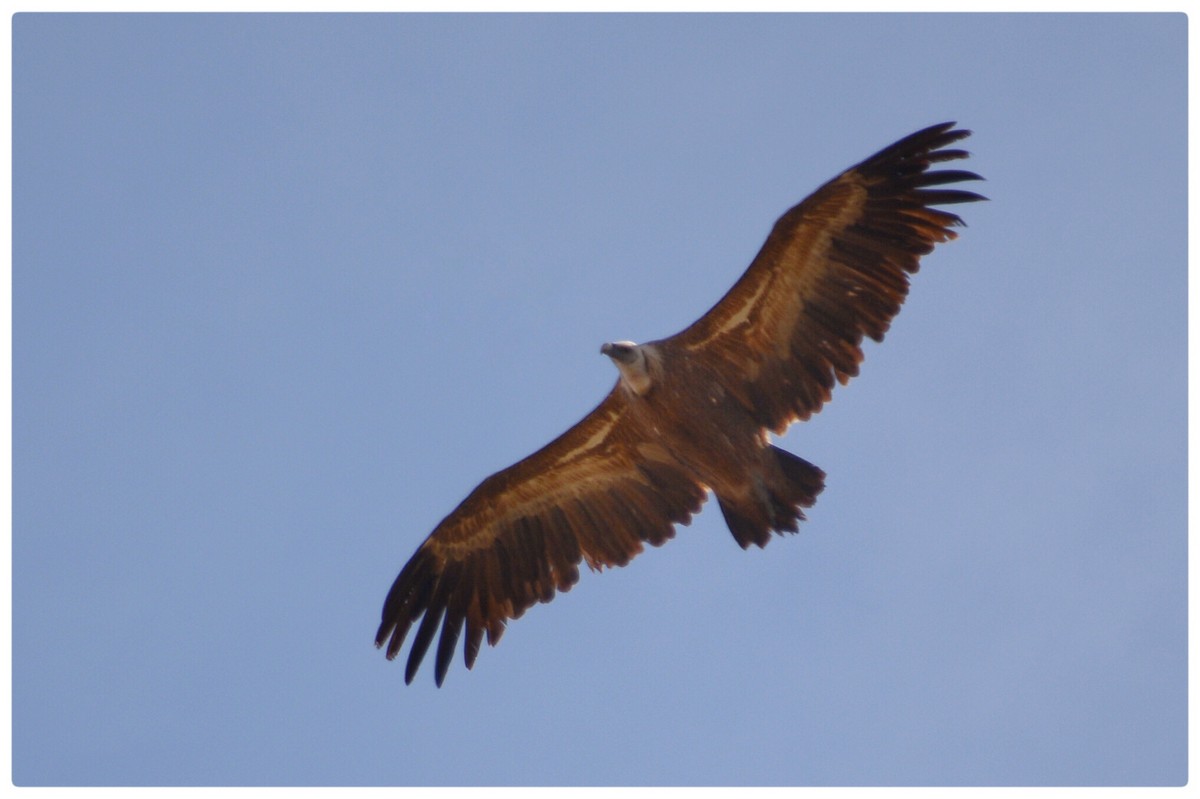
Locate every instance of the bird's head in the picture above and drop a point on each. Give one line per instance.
(630, 358)
(622, 352)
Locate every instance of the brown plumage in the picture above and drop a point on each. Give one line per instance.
(690, 413)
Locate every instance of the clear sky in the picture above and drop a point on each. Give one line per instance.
(285, 288)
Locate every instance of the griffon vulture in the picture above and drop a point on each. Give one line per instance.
(690, 414)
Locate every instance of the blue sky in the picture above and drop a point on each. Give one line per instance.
(285, 288)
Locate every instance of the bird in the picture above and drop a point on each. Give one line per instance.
(691, 415)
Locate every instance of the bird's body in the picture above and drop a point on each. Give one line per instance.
(690, 413)
(684, 407)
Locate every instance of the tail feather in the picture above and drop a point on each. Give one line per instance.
(746, 530)
(804, 481)
(776, 504)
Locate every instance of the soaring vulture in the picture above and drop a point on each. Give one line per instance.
(690, 414)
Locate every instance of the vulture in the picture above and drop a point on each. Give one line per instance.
(691, 414)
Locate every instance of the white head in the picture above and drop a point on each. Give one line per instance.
(630, 358)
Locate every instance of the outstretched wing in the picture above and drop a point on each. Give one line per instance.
(595, 493)
(834, 268)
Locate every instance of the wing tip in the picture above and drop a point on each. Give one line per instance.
(927, 144)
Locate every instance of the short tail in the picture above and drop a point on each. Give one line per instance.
(774, 505)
